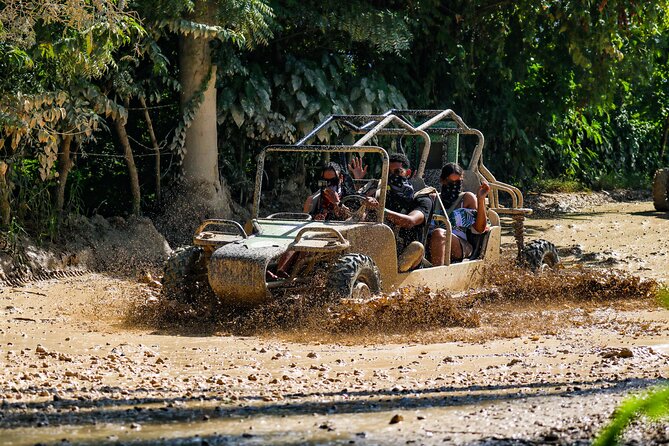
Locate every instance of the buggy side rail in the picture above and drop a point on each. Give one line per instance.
(239, 230)
(497, 186)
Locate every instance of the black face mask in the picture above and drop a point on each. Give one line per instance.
(450, 192)
(400, 193)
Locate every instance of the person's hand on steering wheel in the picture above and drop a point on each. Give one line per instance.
(331, 196)
(371, 202)
(358, 204)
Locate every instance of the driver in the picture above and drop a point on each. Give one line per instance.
(324, 205)
(327, 205)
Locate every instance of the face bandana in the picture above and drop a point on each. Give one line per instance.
(400, 193)
(450, 192)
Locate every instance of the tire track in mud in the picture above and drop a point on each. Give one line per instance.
(21, 278)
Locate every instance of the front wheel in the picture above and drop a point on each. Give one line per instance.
(661, 190)
(354, 276)
(540, 254)
(184, 274)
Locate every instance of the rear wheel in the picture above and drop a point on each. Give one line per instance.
(184, 274)
(354, 276)
(661, 190)
(540, 254)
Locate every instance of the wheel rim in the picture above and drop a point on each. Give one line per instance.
(361, 291)
(547, 262)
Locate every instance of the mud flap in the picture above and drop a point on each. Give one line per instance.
(237, 273)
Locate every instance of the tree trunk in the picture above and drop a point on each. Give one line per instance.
(5, 209)
(200, 163)
(203, 194)
(154, 143)
(64, 167)
(130, 161)
(665, 140)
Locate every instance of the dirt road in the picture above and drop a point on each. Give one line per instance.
(79, 365)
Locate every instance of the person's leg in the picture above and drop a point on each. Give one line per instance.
(286, 261)
(437, 246)
(411, 256)
(456, 248)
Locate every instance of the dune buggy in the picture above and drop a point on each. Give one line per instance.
(356, 257)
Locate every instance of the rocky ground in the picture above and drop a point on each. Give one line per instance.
(99, 359)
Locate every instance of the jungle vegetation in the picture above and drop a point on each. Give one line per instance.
(107, 104)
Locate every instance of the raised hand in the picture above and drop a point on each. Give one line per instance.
(356, 168)
(483, 190)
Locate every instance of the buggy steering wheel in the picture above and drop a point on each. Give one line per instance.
(357, 204)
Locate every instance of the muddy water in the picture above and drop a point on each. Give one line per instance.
(526, 361)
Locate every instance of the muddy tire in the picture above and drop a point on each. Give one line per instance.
(353, 276)
(661, 190)
(184, 274)
(539, 254)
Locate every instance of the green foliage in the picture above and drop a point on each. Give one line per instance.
(320, 62)
(243, 22)
(663, 296)
(280, 103)
(654, 405)
(23, 23)
(338, 25)
(622, 180)
(283, 102)
(544, 81)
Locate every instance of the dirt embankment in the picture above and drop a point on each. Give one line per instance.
(529, 360)
(115, 246)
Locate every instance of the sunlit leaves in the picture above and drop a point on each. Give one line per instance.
(19, 19)
(242, 22)
(653, 405)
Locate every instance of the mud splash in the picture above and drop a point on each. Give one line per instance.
(513, 302)
(579, 284)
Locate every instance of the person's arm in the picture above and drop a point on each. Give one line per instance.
(414, 217)
(409, 220)
(481, 214)
(307, 204)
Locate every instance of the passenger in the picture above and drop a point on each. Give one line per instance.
(466, 211)
(405, 214)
